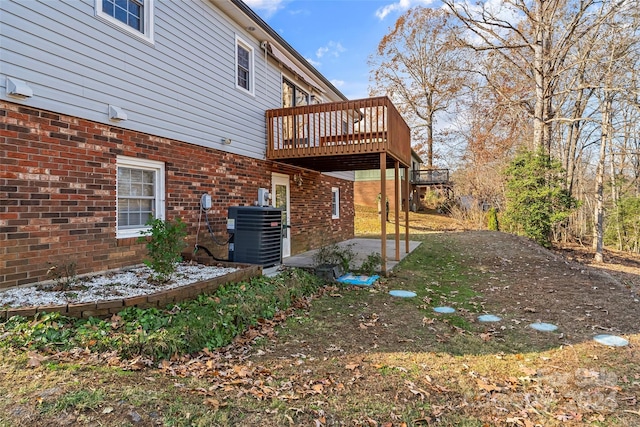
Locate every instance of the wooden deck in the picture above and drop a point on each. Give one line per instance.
(339, 136)
(430, 177)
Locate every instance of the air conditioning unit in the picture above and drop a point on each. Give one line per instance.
(256, 235)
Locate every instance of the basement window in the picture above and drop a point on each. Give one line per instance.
(335, 203)
(140, 195)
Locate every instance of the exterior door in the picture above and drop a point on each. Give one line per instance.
(280, 198)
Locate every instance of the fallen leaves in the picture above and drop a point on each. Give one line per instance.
(34, 359)
(215, 404)
(568, 416)
(486, 336)
(416, 391)
(486, 386)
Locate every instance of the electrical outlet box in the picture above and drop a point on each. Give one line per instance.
(263, 197)
(205, 202)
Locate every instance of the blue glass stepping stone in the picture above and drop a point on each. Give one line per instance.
(489, 318)
(544, 327)
(444, 309)
(611, 340)
(402, 294)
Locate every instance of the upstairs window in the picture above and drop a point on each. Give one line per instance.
(133, 16)
(292, 95)
(244, 66)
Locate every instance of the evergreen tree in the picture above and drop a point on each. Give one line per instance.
(536, 200)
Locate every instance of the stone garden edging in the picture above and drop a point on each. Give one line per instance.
(107, 308)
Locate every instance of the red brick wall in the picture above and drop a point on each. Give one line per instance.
(366, 193)
(311, 212)
(57, 193)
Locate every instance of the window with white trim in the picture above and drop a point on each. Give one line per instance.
(335, 203)
(244, 66)
(139, 193)
(133, 16)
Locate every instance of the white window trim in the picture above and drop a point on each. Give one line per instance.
(158, 167)
(146, 35)
(335, 195)
(247, 46)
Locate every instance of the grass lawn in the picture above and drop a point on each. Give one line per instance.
(359, 357)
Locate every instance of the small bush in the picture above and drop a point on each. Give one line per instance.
(165, 241)
(64, 275)
(492, 219)
(371, 264)
(335, 255)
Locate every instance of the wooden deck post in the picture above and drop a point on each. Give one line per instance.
(383, 211)
(398, 200)
(407, 206)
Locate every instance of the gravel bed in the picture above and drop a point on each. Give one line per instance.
(108, 286)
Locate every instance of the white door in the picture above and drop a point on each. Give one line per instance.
(280, 199)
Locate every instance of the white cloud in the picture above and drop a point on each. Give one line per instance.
(268, 6)
(314, 63)
(337, 83)
(400, 6)
(331, 49)
(321, 51)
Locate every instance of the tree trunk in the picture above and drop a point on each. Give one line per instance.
(614, 191)
(539, 78)
(599, 208)
(430, 140)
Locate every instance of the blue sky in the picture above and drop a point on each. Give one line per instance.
(335, 36)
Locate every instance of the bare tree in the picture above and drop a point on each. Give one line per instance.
(535, 37)
(619, 59)
(418, 65)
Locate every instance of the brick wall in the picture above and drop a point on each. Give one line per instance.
(366, 193)
(58, 205)
(312, 226)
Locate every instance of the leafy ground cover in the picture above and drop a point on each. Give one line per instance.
(359, 357)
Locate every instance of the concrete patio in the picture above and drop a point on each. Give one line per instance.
(362, 248)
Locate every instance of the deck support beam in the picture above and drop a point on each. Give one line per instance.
(407, 206)
(383, 211)
(397, 198)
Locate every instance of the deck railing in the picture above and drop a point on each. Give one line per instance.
(363, 126)
(430, 176)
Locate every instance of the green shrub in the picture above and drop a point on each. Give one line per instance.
(492, 219)
(335, 255)
(536, 200)
(371, 264)
(165, 241)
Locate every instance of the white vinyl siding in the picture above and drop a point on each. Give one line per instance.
(139, 193)
(183, 87)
